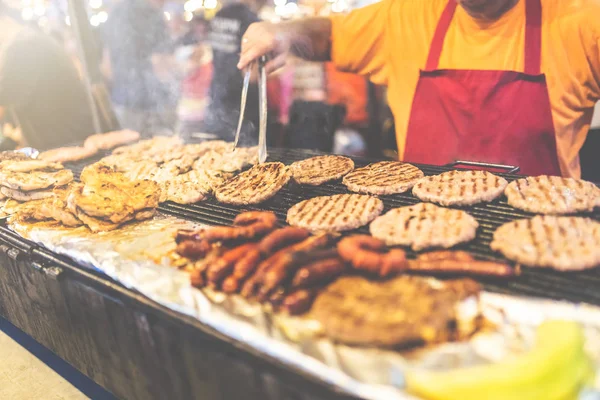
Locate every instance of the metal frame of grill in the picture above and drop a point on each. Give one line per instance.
(572, 286)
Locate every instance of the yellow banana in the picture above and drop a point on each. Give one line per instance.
(554, 369)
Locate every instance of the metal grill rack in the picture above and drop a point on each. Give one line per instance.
(575, 286)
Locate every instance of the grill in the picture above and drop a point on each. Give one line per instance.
(574, 286)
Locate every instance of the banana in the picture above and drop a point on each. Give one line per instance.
(555, 369)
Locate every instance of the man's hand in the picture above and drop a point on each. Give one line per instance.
(264, 38)
(309, 39)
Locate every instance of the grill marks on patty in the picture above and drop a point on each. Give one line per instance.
(460, 187)
(386, 177)
(552, 195)
(339, 212)
(318, 170)
(254, 186)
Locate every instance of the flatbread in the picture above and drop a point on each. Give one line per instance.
(460, 187)
(254, 186)
(35, 180)
(340, 212)
(552, 195)
(385, 177)
(424, 225)
(404, 311)
(193, 186)
(109, 140)
(68, 154)
(562, 243)
(29, 165)
(25, 196)
(227, 160)
(321, 169)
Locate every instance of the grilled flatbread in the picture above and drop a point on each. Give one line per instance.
(385, 177)
(321, 169)
(32, 211)
(405, 311)
(106, 141)
(35, 180)
(254, 186)
(25, 196)
(552, 195)
(66, 154)
(193, 186)
(13, 155)
(423, 226)
(460, 187)
(562, 243)
(227, 160)
(29, 165)
(95, 224)
(340, 212)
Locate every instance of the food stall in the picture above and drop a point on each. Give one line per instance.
(163, 269)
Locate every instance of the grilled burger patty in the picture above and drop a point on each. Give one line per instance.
(562, 243)
(424, 225)
(385, 177)
(255, 185)
(321, 169)
(460, 187)
(552, 195)
(340, 212)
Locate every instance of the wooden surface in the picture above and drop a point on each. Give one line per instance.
(132, 347)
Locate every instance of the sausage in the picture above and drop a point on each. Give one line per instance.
(299, 301)
(319, 272)
(246, 265)
(285, 266)
(231, 284)
(445, 255)
(225, 264)
(282, 257)
(281, 238)
(277, 297)
(193, 249)
(475, 267)
(186, 234)
(248, 225)
(370, 254)
(197, 270)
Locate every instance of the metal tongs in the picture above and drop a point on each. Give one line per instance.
(262, 107)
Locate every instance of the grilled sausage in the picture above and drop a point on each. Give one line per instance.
(193, 249)
(281, 238)
(445, 255)
(224, 265)
(475, 267)
(318, 273)
(299, 301)
(370, 254)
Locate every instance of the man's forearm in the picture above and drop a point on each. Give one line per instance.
(310, 38)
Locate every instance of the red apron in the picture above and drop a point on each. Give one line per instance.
(501, 117)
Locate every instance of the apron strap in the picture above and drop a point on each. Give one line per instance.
(533, 36)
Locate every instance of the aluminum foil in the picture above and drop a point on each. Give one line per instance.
(138, 256)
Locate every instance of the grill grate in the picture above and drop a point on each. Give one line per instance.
(575, 286)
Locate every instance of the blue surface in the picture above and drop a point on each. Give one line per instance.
(87, 386)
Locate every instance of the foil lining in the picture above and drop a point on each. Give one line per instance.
(138, 257)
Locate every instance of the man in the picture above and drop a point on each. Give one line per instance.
(505, 81)
(142, 68)
(40, 90)
(226, 30)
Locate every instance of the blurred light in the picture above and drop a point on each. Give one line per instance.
(280, 2)
(102, 16)
(280, 10)
(94, 20)
(68, 20)
(27, 13)
(167, 15)
(43, 22)
(188, 16)
(210, 4)
(339, 6)
(39, 10)
(26, 2)
(291, 8)
(95, 3)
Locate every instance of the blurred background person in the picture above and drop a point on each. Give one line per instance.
(41, 92)
(194, 52)
(227, 28)
(141, 66)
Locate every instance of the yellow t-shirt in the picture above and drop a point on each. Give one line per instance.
(389, 42)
